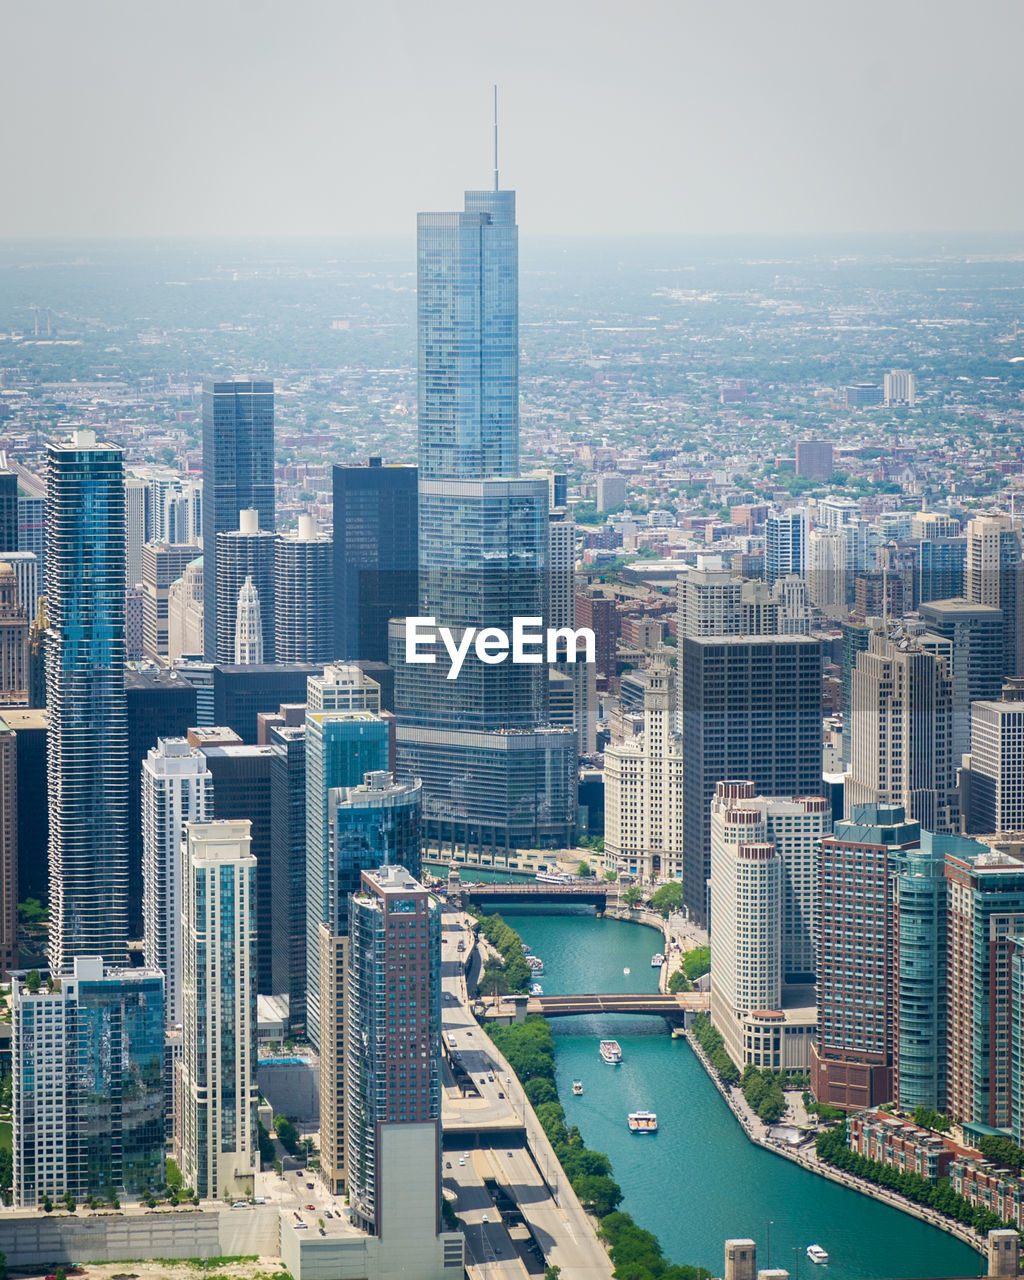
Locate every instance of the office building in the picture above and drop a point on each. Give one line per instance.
(992, 782)
(245, 552)
(994, 575)
(238, 473)
(483, 552)
(940, 573)
(901, 693)
(976, 634)
(26, 570)
(136, 526)
(9, 823)
(561, 607)
(814, 459)
(87, 742)
(162, 564)
(160, 704)
(852, 1062)
(898, 389)
(376, 824)
(248, 627)
(215, 1123)
(185, 613)
(237, 694)
(88, 1097)
(393, 1056)
(32, 528)
(13, 641)
(8, 512)
(826, 570)
(303, 618)
(785, 544)
(375, 556)
(643, 780)
(177, 788)
(241, 774)
(32, 830)
(751, 708)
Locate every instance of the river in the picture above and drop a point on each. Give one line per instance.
(699, 1181)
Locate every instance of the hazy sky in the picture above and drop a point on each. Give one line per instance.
(323, 117)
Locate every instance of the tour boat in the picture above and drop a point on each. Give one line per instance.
(553, 877)
(643, 1122)
(657, 960)
(536, 989)
(577, 1088)
(817, 1254)
(611, 1052)
(536, 964)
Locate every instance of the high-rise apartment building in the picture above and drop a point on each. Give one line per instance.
(245, 552)
(32, 528)
(709, 600)
(611, 491)
(852, 1062)
(901, 693)
(899, 389)
(238, 472)
(993, 782)
(994, 575)
(177, 788)
(375, 556)
(785, 543)
(751, 708)
(393, 1055)
(26, 569)
(215, 1123)
(87, 742)
(814, 459)
(643, 780)
(940, 568)
(288, 863)
(8, 512)
(826, 569)
(13, 641)
(376, 824)
(136, 527)
(480, 740)
(303, 601)
(88, 1097)
(8, 850)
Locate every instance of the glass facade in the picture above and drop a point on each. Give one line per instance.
(920, 1048)
(373, 825)
(87, 739)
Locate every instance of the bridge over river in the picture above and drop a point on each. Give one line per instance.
(586, 892)
(677, 1008)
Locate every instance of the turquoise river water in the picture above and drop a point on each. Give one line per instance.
(699, 1180)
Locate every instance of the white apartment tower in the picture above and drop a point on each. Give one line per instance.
(899, 389)
(643, 781)
(708, 599)
(216, 1091)
(177, 788)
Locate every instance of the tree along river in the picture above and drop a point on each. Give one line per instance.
(699, 1181)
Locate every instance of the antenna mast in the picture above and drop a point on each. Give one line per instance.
(496, 137)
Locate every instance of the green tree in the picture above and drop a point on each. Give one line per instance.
(552, 1272)
(172, 1175)
(668, 898)
(583, 869)
(633, 895)
(287, 1134)
(679, 982)
(696, 963)
(33, 981)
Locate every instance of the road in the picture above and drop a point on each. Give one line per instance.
(530, 1175)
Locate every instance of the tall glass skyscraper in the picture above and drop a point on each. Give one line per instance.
(238, 472)
(87, 740)
(483, 551)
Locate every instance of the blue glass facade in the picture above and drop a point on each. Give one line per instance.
(920, 1055)
(87, 739)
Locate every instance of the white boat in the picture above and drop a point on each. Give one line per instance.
(657, 960)
(536, 964)
(536, 989)
(817, 1254)
(577, 1088)
(643, 1122)
(611, 1052)
(554, 877)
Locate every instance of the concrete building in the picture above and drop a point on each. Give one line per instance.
(611, 491)
(785, 543)
(162, 565)
(899, 389)
(643, 781)
(177, 788)
(975, 632)
(248, 626)
(814, 459)
(185, 613)
(88, 1098)
(994, 575)
(26, 568)
(901, 692)
(14, 622)
(9, 822)
(246, 552)
(826, 570)
(215, 1120)
(303, 595)
(708, 598)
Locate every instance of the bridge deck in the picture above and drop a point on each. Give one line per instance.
(665, 1005)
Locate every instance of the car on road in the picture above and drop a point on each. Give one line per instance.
(302, 1226)
(447, 1164)
(240, 1204)
(309, 1185)
(311, 1208)
(490, 1079)
(462, 1160)
(485, 1218)
(500, 1094)
(510, 1155)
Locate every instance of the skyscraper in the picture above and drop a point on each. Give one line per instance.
(375, 556)
(8, 850)
(13, 641)
(87, 742)
(177, 788)
(483, 550)
(994, 575)
(393, 1055)
(215, 1128)
(238, 472)
(994, 782)
(976, 634)
(751, 708)
(785, 543)
(303, 621)
(162, 564)
(248, 626)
